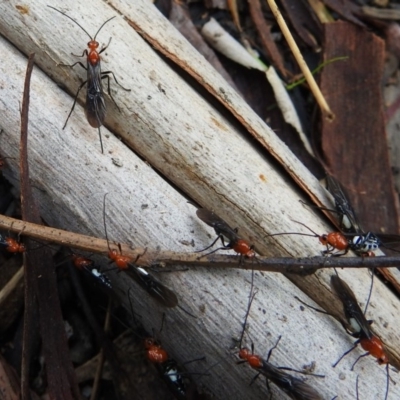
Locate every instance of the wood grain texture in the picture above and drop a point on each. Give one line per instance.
(208, 157)
(355, 144)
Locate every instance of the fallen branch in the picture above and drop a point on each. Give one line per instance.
(148, 257)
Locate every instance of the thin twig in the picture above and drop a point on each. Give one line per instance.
(29, 295)
(148, 257)
(319, 97)
(101, 360)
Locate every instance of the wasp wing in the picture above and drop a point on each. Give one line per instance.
(348, 219)
(153, 287)
(219, 225)
(352, 310)
(95, 108)
(389, 241)
(295, 388)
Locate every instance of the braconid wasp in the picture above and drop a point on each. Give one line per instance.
(361, 242)
(360, 326)
(11, 245)
(95, 106)
(171, 372)
(356, 325)
(89, 267)
(294, 387)
(168, 367)
(363, 245)
(151, 285)
(224, 231)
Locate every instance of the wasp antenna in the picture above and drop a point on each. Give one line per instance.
(357, 386)
(305, 226)
(274, 347)
(291, 233)
(84, 30)
(370, 291)
(311, 307)
(387, 381)
(186, 311)
(102, 27)
(104, 220)
(251, 298)
(135, 320)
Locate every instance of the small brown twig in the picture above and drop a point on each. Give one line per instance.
(148, 257)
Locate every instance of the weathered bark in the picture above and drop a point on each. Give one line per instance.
(208, 156)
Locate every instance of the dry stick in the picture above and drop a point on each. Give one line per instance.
(29, 292)
(40, 287)
(100, 365)
(10, 286)
(300, 60)
(303, 266)
(61, 237)
(233, 8)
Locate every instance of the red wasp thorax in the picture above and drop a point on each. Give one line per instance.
(375, 347)
(12, 246)
(120, 260)
(155, 353)
(335, 239)
(93, 54)
(253, 360)
(242, 247)
(81, 262)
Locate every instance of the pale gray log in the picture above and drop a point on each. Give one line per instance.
(179, 133)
